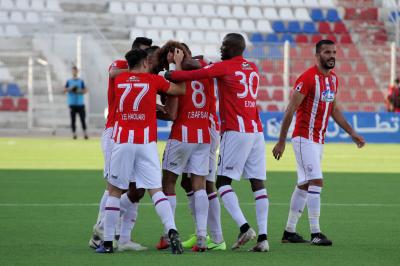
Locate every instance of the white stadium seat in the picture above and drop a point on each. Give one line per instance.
(326, 3)
(177, 9)
(4, 16)
(211, 51)
(187, 23)
(203, 23)
(208, 11)
(7, 4)
(297, 3)
(311, 3)
(284, 3)
(22, 4)
(131, 8)
(2, 34)
(162, 9)
(115, 8)
(196, 49)
(182, 35)
(255, 12)
(146, 8)
(269, 3)
(224, 11)
(252, 2)
(167, 35)
(172, 22)
(264, 26)
(153, 34)
(302, 14)
(32, 17)
(53, 5)
(17, 17)
(38, 5)
(248, 25)
(12, 31)
(232, 24)
(211, 37)
(135, 33)
(193, 10)
(270, 13)
(217, 24)
(197, 36)
(239, 12)
(157, 22)
(142, 22)
(286, 14)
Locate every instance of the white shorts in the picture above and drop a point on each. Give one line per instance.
(135, 163)
(180, 157)
(215, 138)
(242, 154)
(308, 157)
(107, 145)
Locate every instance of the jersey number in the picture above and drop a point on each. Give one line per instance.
(198, 89)
(248, 84)
(128, 87)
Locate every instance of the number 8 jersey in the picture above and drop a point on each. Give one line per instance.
(192, 122)
(237, 88)
(135, 96)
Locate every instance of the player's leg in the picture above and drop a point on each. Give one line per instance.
(72, 113)
(255, 171)
(148, 176)
(187, 187)
(82, 117)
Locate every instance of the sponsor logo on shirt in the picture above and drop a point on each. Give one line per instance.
(114, 176)
(229, 168)
(173, 164)
(246, 66)
(328, 96)
(132, 79)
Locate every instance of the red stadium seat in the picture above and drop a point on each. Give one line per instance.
(361, 96)
(346, 39)
(267, 66)
(307, 52)
(298, 66)
(369, 108)
(277, 80)
(302, 38)
(324, 28)
(369, 14)
(345, 67)
(339, 28)
(369, 82)
(263, 80)
(316, 38)
(350, 13)
(353, 108)
(362, 68)
(277, 95)
(22, 104)
(272, 108)
(331, 37)
(292, 80)
(263, 95)
(353, 52)
(340, 53)
(377, 96)
(354, 82)
(345, 96)
(293, 52)
(7, 104)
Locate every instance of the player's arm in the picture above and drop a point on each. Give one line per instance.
(114, 71)
(337, 115)
(170, 109)
(295, 101)
(84, 88)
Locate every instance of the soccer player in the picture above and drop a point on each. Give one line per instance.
(314, 101)
(135, 153)
(129, 201)
(242, 149)
(188, 146)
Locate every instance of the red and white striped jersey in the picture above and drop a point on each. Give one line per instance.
(313, 114)
(135, 95)
(119, 64)
(192, 122)
(214, 123)
(238, 81)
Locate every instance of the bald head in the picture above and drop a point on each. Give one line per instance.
(232, 45)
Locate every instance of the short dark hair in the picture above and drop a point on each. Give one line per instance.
(141, 41)
(322, 42)
(240, 42)
(152, 49)
(135, 56)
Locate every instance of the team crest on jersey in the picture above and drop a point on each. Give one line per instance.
(133, 79)
(246, 66)
(328, 96)
(299, 86)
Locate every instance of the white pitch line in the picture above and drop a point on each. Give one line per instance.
(181, 203)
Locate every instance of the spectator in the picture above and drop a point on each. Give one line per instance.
(393, 98)
(75, 89)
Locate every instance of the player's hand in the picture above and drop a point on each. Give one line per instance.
(161, 108)
(278, 150)
(359, 140)
(178, 56)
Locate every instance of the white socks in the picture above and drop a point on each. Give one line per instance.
(201, 207)
(111, 217)
(231, 204)
(128, 218)
(262, 204)
(297, 204)
(191, 206)
(101, 208)
(314, 207)
(164, 211)
(214, 218)
(172, 200)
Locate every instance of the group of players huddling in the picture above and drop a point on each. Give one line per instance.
(189, 87)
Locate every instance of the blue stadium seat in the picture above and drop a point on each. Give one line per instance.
(332, 15)
(287, 37)
(273, 38)
(13, 90)
(257, 37)
(279, 27)
(275, 52)
(1, 90)
(294, 27)
(392, 16)
(309, 27)
(317, 15)
(257, 51)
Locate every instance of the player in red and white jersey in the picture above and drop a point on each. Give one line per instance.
(131, 199)
(242, 149)
(314, 101)
(135, 153)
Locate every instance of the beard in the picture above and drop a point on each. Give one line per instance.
(328, 64)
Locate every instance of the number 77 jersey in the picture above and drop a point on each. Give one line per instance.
(135, 96)
(238, 81)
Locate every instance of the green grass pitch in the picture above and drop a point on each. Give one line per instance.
(49, 190)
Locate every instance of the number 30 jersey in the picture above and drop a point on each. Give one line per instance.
(192, 122)
(238, 81)
(135, 96)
